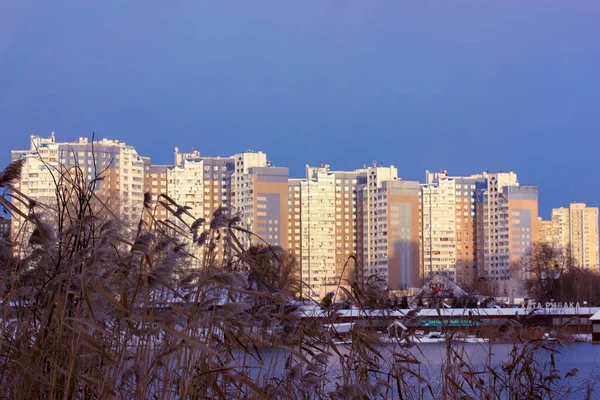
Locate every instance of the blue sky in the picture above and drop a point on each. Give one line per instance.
(459, 85)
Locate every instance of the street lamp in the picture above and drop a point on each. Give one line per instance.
(585, 303)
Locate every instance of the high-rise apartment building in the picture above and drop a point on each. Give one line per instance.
(390, 228)
(317, 204)
(584, 235)
(403, 234)
(200, 183)
(438, 232)
(185, 186)
(245, 182)
(259, 193)
(322, 214)
(122, 168)
(374, 215)
(368, 213)
(448, 229)
(507, 216)
(575, 229)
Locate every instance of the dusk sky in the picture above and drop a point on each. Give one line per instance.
(466, 86)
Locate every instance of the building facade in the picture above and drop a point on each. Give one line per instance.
(318, 223)
(575, 229)
(157, 184)
(389, 228)
(438, 228)
(270, 197)
(322, 227)
(506, 230)
(200, 183)
(48, 162)
(448, 229)
(544, 231)
(403, 260)
(460, 227)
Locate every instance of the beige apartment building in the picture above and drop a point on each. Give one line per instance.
(507, 216)
(369, 213)
(245, 182)
(477, 226)
(576, 229)
(259, 194)
(389, 215)
(438, 232)
(123, 169)
(448, 229)
(322, 210)
(200, 183)
(317, 194)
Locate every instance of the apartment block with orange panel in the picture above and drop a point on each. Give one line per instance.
(242, 191)
(523, 216)
(403, 260)
(507, 227)
(270, 204)
(389, 209)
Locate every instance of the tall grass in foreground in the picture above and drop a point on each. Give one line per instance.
(94, 308)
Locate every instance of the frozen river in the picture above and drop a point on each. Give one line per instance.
(583, 356)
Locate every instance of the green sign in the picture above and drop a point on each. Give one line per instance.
(449, 322)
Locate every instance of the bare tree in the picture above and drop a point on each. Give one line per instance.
(542, 269)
